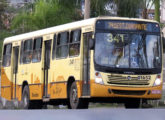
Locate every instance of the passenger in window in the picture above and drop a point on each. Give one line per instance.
(74, 49)
(34, 56)
(29, 57)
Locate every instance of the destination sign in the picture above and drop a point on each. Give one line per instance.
(127, 25)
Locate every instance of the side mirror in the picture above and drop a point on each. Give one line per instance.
(91, 44)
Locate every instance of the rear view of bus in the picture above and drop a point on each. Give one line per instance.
(127, 60)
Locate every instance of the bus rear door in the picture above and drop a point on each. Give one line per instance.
(15, 70)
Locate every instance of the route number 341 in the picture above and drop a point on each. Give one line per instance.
(117, 38)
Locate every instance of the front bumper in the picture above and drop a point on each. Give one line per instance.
(98, 90)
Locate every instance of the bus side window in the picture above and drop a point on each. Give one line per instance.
(21, 54)
(37, 48)
(54, 47)
(62, 45)
(27, 52)
(74, 45)
(7, 55)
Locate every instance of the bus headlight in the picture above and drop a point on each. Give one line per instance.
(158, 80)
(98, 78)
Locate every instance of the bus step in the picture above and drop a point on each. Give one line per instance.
(46, 99)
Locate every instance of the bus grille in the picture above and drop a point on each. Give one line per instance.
(126, 92)
(121, 80)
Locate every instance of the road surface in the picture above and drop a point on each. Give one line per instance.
(109, 113)
(90, 114)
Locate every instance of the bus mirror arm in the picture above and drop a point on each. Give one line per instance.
(91, 44)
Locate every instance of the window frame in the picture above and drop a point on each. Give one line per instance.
(21, 52)
(72, 43)
(41, 45)
(54, 47)
(66, 44)
(4, 51)
(30, 39)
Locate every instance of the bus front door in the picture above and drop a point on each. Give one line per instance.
(15, 71)
(86, 64)
(47, 53)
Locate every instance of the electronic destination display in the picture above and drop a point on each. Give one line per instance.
(127, 25)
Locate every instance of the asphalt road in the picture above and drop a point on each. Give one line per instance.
(108, 113)
(90, 114)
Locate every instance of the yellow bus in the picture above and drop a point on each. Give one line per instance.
(103, 59)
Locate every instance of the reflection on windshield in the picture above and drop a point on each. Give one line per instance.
(128, 50)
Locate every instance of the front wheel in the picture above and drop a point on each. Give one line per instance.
(74, 101)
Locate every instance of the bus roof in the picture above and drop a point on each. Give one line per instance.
(64, 27)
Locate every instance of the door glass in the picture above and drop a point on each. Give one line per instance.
(7, 55)
(37, 48)
(47, 53)
(16, 53)
(86, 64)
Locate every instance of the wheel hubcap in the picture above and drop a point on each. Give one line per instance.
(25, 101)
(74, 95)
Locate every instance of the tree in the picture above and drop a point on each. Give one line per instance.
(46, 13)
(127, 8)
(157, 10)
(101, 7)
(3, 5)
(124, 8)
(145, 6)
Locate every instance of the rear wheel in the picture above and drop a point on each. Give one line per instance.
(132, 103)
(74, 101)
(26, 104)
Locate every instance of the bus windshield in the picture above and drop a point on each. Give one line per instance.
(128, 50)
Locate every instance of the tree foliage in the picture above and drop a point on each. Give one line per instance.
(123, 8)
(157, 10)
(127, 8)
(98, 7)
(3, 5)
(46, 13)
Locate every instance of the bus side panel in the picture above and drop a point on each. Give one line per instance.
(58, 81)
(79, 88)
(36, 91)
(19, 92)
(60, 76)
(58, 90)
(6, 84)
(35, 83)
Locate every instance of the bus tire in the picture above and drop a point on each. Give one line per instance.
(132, 103)
(26, 98)
(74, 101)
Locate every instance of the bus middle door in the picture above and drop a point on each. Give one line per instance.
(47, 54)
